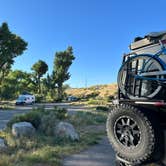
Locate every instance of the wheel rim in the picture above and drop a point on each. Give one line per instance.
(127, 132)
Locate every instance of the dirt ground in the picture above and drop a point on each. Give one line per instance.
(99, 155)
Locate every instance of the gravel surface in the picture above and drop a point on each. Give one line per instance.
(5, 116)
(99, 155)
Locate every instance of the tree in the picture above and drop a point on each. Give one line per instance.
(22, 81)
(62, 62)
(48, 88)
(11, 46)
(14, 84)
(40, 68)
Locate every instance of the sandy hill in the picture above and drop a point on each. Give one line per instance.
(96, 90)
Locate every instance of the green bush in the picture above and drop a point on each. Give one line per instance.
(41, 119)
(102, 108)
(91, 95)
(97, 102)
(61, 113)
(39, 98)
(48, 122)
(33, 117)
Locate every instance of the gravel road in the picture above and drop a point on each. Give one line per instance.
(99, 155)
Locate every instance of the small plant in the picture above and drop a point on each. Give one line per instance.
(97, 102)
(33, 117)
(61, 113)
(48, 123)
(39, 98)
(87, 118)
(102, 108)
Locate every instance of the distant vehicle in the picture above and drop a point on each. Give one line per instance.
(25, 99)
(72, 98)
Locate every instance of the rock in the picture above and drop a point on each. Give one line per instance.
(2, 144)
(23, 129)
(64, 129)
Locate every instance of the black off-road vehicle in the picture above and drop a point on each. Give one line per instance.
(136, 126)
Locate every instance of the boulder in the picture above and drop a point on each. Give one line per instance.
(2, 144)
(24, 129)
(64, 129)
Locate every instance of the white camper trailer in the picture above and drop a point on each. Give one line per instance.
(25, 99)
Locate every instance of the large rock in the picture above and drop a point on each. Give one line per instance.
(64, 129)
(25, 129)
(2, 144)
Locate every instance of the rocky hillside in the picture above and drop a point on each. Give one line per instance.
(94, 91)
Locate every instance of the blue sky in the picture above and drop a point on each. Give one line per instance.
(99, 31)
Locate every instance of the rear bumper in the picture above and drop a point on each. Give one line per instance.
(19, 103)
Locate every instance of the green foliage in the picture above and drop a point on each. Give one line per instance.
(91, 95)
(48, 122)
(62, 62)
(40, 68)
(41, 119)
(14, 84)
(61, 113)
(11, 46)
(39, 98)
(33, 117)
(87, 118)
(102, 108)
(51, 118)
(7, 91)
(97, 102)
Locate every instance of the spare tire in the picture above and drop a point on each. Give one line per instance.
(130, 133)
(137, 88)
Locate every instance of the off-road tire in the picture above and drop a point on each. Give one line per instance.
(142, 144)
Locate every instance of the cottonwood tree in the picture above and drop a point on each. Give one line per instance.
(62, 62)
(14, 84)
(11, 46)
(39, 68)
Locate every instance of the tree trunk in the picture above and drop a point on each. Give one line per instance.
(39, 86)
(60, 91)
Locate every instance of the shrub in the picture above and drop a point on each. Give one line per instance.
(61, 113)
(41, 119)
(102, 108)
(91, 95)
(48, 122)
(33, 117)
(39, 98)
(97, 102)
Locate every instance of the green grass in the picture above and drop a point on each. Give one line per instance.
(45, 150)
(42, 150)
(84, 118)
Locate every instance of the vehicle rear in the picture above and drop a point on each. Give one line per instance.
(25, 100)
(136, 125)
